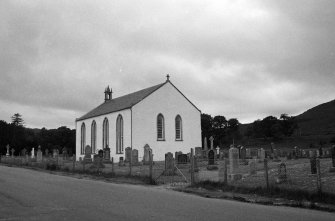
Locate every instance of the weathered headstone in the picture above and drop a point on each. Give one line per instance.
(262, 154)
(101, 154)
(176, 154)
(313, 165)
(243, 153)
(211, 157)
(198, 152)
(7, 153)
(211, 139)
(33, 153)
(107, 155)
(146, 155)
(169, 164)
(252, 166)
(247, 153)
(217, 152)
(282, 175)
(134, 156)
(205, 144)
(233, 159)
(23, 152)
(39, 158)
(13, 151)
(121, 162)
(128, 154)
(65, 153)
(88, 154)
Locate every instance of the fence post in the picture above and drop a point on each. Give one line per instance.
(225, 172)
(130, 160)
(192, 166)
(150, 167)
(266, 173)
(113, 166)
(73, 162)
(318, 170)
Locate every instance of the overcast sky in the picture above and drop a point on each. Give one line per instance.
(240, 59)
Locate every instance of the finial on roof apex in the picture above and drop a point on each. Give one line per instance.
(167, 77)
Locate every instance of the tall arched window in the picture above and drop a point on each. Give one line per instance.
(160, 127)
(119, 134)
(105, 132)
(179, 128)
(82, 138)
(93, 136)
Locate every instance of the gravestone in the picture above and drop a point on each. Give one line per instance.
(205, 144)
(39, 158)
(198, 152)
(211, 157)
(7, 153)
(107, 155)
(33, 153)
(134, 157)
(46, 152)
(146, 155)
(65, 153)
(217, 152)
(262, 154)
(121, 162)
(128, 154)
(233, 159)
(282, 175)
(332, 169)
(182, 159)
(252, 166)
(211, 139)
(13, 151)
(243, 153)
(313, 165)
(88, 154)
(23, 152)
(169, 164)
(101, 154)
(247, 153)
(176, 154)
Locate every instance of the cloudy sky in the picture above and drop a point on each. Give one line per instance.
(240, 59)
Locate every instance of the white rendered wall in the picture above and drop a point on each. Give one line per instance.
(126, 115)
(169, 102)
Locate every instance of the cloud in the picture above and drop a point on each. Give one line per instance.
(243, 59)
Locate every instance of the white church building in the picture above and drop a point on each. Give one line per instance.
(160, 116)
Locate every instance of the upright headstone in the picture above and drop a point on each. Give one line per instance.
(39, 155)
(46, 152)
(332, 169)
(33, 153)
(65, 153)
(146, 156)
(176, 154)
(134, 156)
(198, 152)
(7, 153)
(282, 176)
(101, 154)
(182, 159)
(233, 159)
(121, 162)
(243, 153)
(13, 151)
(252, 166)
(88, 154)
(247, 153)
(107, 155)
(128, 154)
(211, 157)
(169, 164)
(23, 152)
(211, 139)
(205, 144)
(217, 152)
(262, 154)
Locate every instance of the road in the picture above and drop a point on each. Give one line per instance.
(32, 195)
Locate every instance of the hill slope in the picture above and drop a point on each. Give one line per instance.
(319, 120)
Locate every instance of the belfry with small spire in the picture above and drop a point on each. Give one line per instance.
(108, 94)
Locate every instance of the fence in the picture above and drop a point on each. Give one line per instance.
(295, 174)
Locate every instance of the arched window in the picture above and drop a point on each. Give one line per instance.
(105, 132)
(93, 136)
(82, 138)
(179, 128)
(160, 127)
(119, 134)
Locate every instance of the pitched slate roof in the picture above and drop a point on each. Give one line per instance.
(120, 103)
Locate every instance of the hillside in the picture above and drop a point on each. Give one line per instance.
(319, 120)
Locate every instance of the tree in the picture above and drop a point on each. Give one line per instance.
(17, 120)
(219, 122)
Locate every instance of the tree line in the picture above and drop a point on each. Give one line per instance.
(226, 132)
(17, 136)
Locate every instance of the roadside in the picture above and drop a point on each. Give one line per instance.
(207, 192)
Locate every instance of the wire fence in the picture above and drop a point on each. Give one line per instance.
(306, 174)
